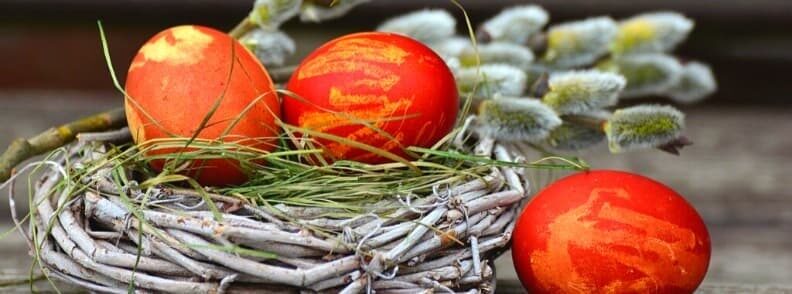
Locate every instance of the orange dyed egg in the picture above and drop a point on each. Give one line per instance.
(178, 77)
(610, 232)
(393, 83)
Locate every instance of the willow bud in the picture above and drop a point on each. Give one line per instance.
(498, 53)
(643, 126)
(579, 43)
(516, 119)
(646, 74)
(651, 33)
(697, 83)
(515, 24)
(429, 25)
(578, 92)
(491, 79)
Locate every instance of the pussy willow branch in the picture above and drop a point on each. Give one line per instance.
(22, 149)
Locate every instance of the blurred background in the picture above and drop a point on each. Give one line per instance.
(737, 174)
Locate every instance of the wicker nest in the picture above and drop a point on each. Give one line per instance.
(445, 241)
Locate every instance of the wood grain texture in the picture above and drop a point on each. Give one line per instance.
(737, 171)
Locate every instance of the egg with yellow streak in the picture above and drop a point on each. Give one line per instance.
(610, 232)
(179, 77)
(383, 90)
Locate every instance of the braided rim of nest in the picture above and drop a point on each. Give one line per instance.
(446, 240)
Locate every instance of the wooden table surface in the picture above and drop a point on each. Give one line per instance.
(737, 175)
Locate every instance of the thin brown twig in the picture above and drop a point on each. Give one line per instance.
(22, 149)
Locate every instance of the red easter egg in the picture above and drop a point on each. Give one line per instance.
(176, 79)
(397, 85)
(610, 232)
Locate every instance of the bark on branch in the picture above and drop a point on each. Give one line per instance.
(22, 149)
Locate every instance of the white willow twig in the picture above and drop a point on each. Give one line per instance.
(295, 277)
(142, 280)
(511, 176)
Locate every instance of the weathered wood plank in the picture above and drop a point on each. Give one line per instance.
(737, 171)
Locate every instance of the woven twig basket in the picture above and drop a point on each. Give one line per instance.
(445, 241)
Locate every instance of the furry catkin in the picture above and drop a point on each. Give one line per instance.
(516, 119)
(643, 126)
(578, 92)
